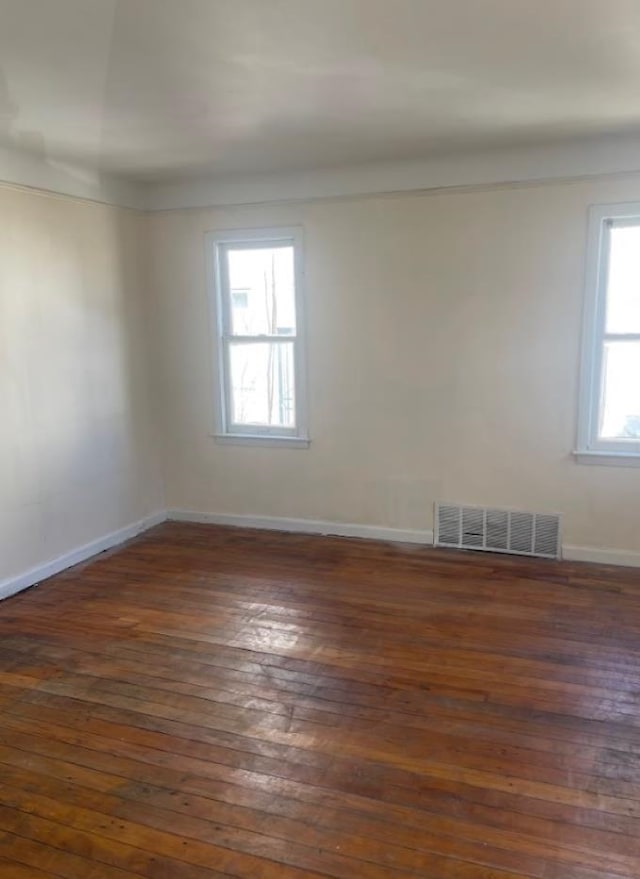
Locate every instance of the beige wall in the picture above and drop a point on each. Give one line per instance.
(77, 456)
(444, 336)
(443, 363)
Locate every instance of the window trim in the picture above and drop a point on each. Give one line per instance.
(224, 430)
(590, 448)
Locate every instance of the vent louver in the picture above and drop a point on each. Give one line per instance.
(495, 530)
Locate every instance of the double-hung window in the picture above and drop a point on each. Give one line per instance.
(609, 425)
(255, 288)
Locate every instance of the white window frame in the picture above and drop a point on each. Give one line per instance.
(218, 293)
(591, 449)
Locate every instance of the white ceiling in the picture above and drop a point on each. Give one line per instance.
(162, 89)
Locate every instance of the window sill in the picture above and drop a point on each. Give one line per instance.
(248, 439)
(608, 459)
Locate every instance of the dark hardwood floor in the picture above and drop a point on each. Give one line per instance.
(209, 702)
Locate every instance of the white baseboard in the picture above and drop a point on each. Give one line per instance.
(305, 526)
(625, 557)
(35, 575)
(12, 585)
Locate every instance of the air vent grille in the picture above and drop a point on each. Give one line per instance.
(495, 530)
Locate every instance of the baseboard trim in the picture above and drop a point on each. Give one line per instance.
(624, 557)
(621, 557)
(305, 526)
(12, 585)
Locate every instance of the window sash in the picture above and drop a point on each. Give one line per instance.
(258, 429)
(218, 246)
(259, 337)
(222, 257)
(603, 218)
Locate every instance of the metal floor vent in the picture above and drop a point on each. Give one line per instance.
(494, 530)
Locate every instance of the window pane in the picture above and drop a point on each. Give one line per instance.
(623, 291)
(621, 391)
(262, 384)
(262, 290)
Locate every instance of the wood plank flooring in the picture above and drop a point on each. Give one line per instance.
(209, 702)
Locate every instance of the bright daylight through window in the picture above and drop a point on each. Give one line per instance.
(610, 404)
(255, 285)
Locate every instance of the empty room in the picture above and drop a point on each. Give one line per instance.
(319, 439)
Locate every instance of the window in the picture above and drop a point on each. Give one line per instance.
(255, 291)
(610, 395)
